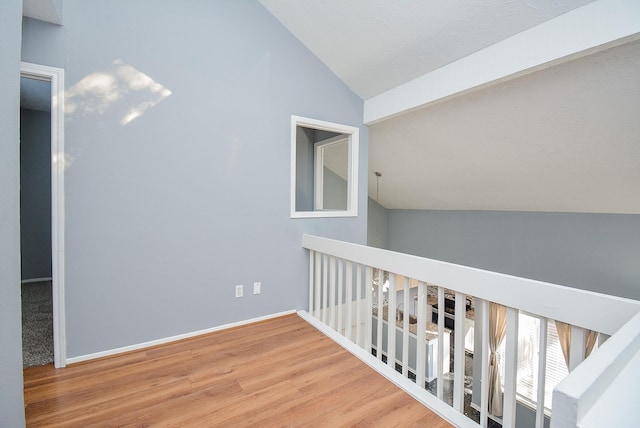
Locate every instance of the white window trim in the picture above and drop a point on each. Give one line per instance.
(319, 169)
(352, 192)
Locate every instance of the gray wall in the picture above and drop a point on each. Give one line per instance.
(377, 234)
(43, 43)
(305, 190)
(597, 252)
(335, 191)
(35, 193)
(167, 213)
(11, 398)
(305, 168)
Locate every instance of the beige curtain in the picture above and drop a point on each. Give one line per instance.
(564, 334)
(497, 331)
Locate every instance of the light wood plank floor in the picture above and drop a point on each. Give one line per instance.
(277, 373)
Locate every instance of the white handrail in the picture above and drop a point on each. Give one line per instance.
(575, 397)
(603, 390)
(590, 310)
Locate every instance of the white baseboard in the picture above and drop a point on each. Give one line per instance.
(26, 281)
(423, 396)
(165, 340)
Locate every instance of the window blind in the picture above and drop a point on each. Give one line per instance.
(528, 346)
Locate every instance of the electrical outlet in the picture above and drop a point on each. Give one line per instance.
(239, 291)
(256, 287)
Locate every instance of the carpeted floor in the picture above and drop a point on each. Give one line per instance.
(37, 324)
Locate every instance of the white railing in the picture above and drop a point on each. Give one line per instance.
(349, 290)
(603, 391)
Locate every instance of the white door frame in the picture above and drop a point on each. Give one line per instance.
(56, 77)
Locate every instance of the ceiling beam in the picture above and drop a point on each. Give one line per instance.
(592, 28)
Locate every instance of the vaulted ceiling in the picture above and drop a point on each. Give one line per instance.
(559, 134)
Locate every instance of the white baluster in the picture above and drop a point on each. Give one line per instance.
(391, 324)
(368, 330)
(458, 359)
(380, 315)
(482, 306)
(349, 285)
(578, 344)
(318, 286)
(542, 371)
(441, 318)
(311, 284)
(340, 296)
(332, 292)
(405, 328)
(421, 357)
(360, 316)
(325, 286)
(510, 369)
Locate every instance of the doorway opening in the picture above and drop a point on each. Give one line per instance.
(42, 214)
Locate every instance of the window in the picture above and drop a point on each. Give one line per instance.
(324, 169)
(528, 345)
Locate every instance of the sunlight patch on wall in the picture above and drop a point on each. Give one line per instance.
(120, 87)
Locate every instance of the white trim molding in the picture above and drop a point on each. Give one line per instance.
(56, 77)
(571, 305)
(143, 345)
(603, 389)
(592, 28)
(353, 134)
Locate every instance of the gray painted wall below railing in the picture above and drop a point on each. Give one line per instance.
(596, 252)
(377, 234)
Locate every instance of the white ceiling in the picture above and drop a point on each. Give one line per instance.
(561, 139)
(565, 139)
(376, 45)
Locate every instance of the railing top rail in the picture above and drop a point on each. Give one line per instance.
(586, 309)
(580, 391)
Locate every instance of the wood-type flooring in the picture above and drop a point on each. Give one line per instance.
(277, 373)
